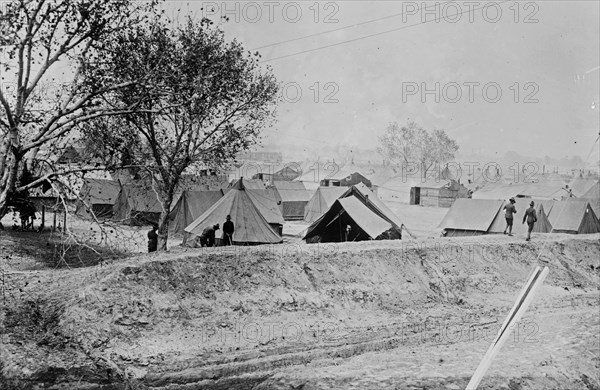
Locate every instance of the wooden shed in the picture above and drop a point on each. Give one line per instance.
(438, 193)
(345, 178)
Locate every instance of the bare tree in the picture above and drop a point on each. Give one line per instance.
(38, 110)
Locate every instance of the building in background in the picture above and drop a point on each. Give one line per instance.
(440, 193)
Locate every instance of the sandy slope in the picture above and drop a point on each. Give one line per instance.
(357, 315)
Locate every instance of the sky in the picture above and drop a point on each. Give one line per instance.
(502, 76)
(497, 76)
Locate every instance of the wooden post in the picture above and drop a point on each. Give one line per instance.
(65, 221)
(54, 220)
(514, 316)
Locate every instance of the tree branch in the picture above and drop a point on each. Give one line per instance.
(52, 175)
(67, 126)
(9, 116)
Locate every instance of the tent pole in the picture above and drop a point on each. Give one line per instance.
(341, 232)
(335, 218)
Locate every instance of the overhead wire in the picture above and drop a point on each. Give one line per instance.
(338, 29)
(375, 34)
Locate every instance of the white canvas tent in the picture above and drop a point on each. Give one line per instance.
(251, 227)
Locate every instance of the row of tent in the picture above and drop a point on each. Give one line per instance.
(255, 212)
(335, 213)
(468, 217)
(127, 203)
(546, 186)
(138, 205)
(355, 215)
(291, 197)
(550, 188)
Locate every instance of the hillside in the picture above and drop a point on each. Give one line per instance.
(352, 316)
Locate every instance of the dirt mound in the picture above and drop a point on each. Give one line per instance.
(236, 318)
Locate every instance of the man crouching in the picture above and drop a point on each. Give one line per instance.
(207, 238)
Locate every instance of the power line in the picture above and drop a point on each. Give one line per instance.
(374, 35)
(592, 150)
(338, 29)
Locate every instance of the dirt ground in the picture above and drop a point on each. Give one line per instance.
(412, 314)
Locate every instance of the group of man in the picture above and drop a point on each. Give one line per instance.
(529, 216)
(207, 238)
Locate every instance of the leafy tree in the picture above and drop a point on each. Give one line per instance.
(413, 144)
(38, 111)
(398, 143)
(438, 150)
(207, 102)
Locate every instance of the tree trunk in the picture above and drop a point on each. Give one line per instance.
(8, 175)
(163, 230)
(31, 156)
(4, 145)
(163, 221)
(425, 171)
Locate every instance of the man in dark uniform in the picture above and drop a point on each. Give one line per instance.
(27, 212)
(153, 239)
(207, 238)
(509, 209)
(531, 219)
(569, 191)
(228, 230)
